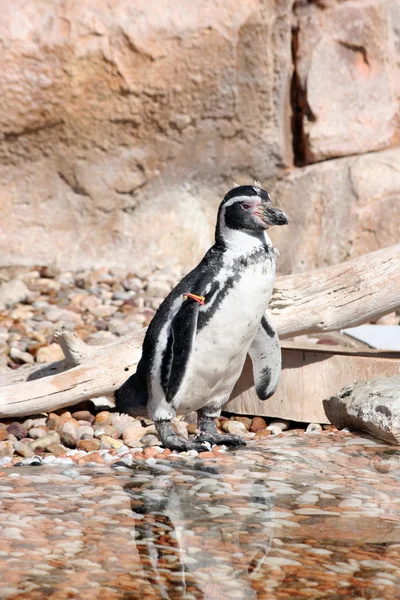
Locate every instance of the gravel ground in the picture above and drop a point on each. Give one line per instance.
(301, 512)
(289, 516)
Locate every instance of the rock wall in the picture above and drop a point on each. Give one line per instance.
(123, 123)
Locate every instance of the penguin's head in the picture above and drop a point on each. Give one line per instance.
(249, 208)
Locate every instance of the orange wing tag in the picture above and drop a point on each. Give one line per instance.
(199, 299)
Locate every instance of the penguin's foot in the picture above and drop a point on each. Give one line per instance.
(170, 440)
(210, 434)
(221, 438)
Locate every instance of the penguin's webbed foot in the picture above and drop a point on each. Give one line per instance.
(209, 433)
(171, 440)
(220, 439)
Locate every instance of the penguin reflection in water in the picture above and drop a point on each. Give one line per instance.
(195, 346)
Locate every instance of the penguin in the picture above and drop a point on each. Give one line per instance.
(196, 344)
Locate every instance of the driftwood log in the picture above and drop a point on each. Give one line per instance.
(339, 296)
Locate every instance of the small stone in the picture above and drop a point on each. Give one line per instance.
(149, 440)
(283, 424)
(103, 418)
(133, 434)
(106, 430)
(16, 429)
(3, 435)
(234, 427)
(29, 423)
(52, 421)
(88, 445)
(258, 424)
(20, 357)
(261, 433)
(314, 428)
(37, 432)
(114, 443)
(121, 422)
(84, 432)
(180, 428)
(244, 420)
(275, 429)
(23, 449)
(68, 434)
(51, 353)
(56, 449)
(192, 428)
(6, 449)
(43, 442)
(12, 292)
(191, 418)
(83, 415)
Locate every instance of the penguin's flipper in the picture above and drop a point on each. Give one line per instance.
(183, 330)
(265, 353)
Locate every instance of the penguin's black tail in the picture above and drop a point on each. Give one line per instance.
(131, 398)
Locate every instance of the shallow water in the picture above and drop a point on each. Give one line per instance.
(314, 516)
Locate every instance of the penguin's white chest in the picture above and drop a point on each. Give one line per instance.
(221, 346)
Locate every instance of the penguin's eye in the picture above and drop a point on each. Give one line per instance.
(246, 206)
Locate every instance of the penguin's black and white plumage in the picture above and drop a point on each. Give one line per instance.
(197, 342)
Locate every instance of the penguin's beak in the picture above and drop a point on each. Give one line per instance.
(273, 216)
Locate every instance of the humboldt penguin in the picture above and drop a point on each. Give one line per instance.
(196, 344)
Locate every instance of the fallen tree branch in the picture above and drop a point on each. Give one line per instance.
(344, 295)
(340, 296)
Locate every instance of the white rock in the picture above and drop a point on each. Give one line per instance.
(282, 424)
(12, 292)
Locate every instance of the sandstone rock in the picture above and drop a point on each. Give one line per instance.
(282, 424)
(88, 445)
(56, 449)
(44, 442)
(246, 421)
(133, 434)
(83, 415)
(121, 422)
(257, 424)
(84, 432)
(23, 449)
(106, 430)
(39, 422)
(345, 61)
(372, 406)
(261, 433)
(37, 432)
(12, 292)
(103, 418)
(68, 435)
(149, 440)
(112, 442)
(20, 357)
(192, 428)
(344, 213)
(234, 427)
(180, 428)
(114, 109)
(17, 430)
(6, 449)
(50, 353)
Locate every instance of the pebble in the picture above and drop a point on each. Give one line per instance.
(234, 427)
(275, 429)
(23, 449)
(313, 428)
(283, 424)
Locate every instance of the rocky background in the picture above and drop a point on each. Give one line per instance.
(123, 123)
